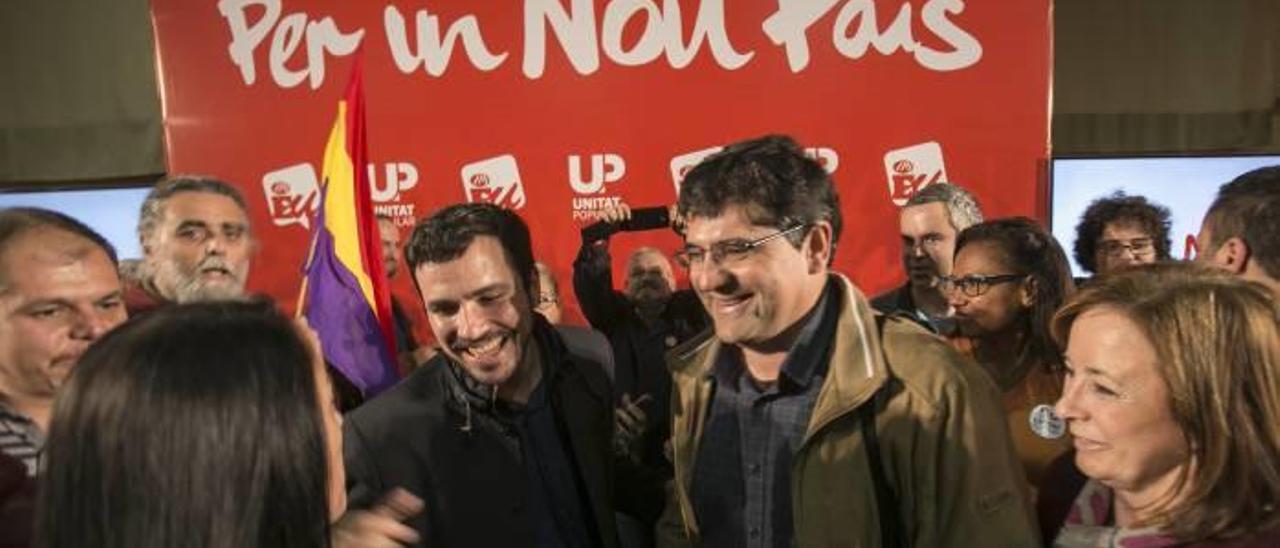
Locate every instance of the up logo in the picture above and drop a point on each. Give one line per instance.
(495, 180)
(605, 168)
(912, 168)
(293, 193)
(397, 177)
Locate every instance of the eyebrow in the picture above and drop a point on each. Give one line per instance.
(1100, 373)
(117, 294)
(186, 223)
(732, 239)
(62, 301)
(189, 223)
(472, 294)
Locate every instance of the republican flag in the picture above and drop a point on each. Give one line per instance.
(344, 291)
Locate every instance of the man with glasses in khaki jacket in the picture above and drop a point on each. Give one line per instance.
(805, 418)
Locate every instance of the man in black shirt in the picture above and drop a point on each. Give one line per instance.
(505, 434)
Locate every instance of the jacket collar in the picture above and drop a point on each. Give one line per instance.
(855, 371)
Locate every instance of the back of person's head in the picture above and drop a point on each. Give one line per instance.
(196, 425)
(1218, 350)
(1028, 249)
(18, 221)
(1120, 209)
(963, 210)
(771, 178)
(1249, 208)
(447, 233)
(153, 205)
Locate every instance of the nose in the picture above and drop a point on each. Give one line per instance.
(215, 245)
(471, 322)
(706, 276)
(955, 298)
(1068, 406)
(89, 326)
(917, 249)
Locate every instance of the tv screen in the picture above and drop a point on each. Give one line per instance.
(113, 212)
(1185, 184)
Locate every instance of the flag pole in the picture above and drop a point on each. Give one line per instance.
(301, 307)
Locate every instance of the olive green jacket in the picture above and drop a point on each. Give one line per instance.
(942, 434)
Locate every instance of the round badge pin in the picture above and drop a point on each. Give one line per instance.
(670, 341)
(1046, 424)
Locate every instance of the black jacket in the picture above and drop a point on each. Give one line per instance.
(639, 351)
(420, 435)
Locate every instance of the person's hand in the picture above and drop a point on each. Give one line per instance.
(380, 526)
(615, 214)
(630, 422)
(677, 220)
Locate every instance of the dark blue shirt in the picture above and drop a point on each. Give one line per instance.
(741, 489)
(554, 503)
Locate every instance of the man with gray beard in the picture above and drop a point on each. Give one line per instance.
(196, 244)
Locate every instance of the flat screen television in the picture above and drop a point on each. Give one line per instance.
(1184, 184)
(113, 212)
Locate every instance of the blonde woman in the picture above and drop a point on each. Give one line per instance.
(1172, 397)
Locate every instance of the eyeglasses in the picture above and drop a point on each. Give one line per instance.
(548, 298)
(729, 251)
(1138, 248)
(975, 285)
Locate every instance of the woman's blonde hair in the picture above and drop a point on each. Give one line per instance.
(1218, 346)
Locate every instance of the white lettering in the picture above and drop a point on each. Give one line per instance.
(324, 36)
(399, 176)
(788, 27)
(709, 26)
(648, 47)
(664, 31)
(897, 36)
(321, 36)
(581, 203)
(284, 42)
(573, 23)
(244, 37)
(605, 168)
(576, 33)
(434, 52)
(968, 50)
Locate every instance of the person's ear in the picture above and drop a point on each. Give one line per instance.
(1027, 291)
(818, 247)
(1233, 255)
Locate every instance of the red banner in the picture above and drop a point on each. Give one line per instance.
(560, 107)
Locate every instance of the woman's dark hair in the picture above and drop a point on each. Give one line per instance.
(1029, 250)
(1124, 209)
(196, 425)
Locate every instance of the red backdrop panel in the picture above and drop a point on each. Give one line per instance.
(559, 106)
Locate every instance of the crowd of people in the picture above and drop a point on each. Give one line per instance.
(991, 400)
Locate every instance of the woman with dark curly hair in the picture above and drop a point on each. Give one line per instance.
(1121, 230)
(1009, 277)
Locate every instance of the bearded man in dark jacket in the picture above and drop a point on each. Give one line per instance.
(505, 435)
